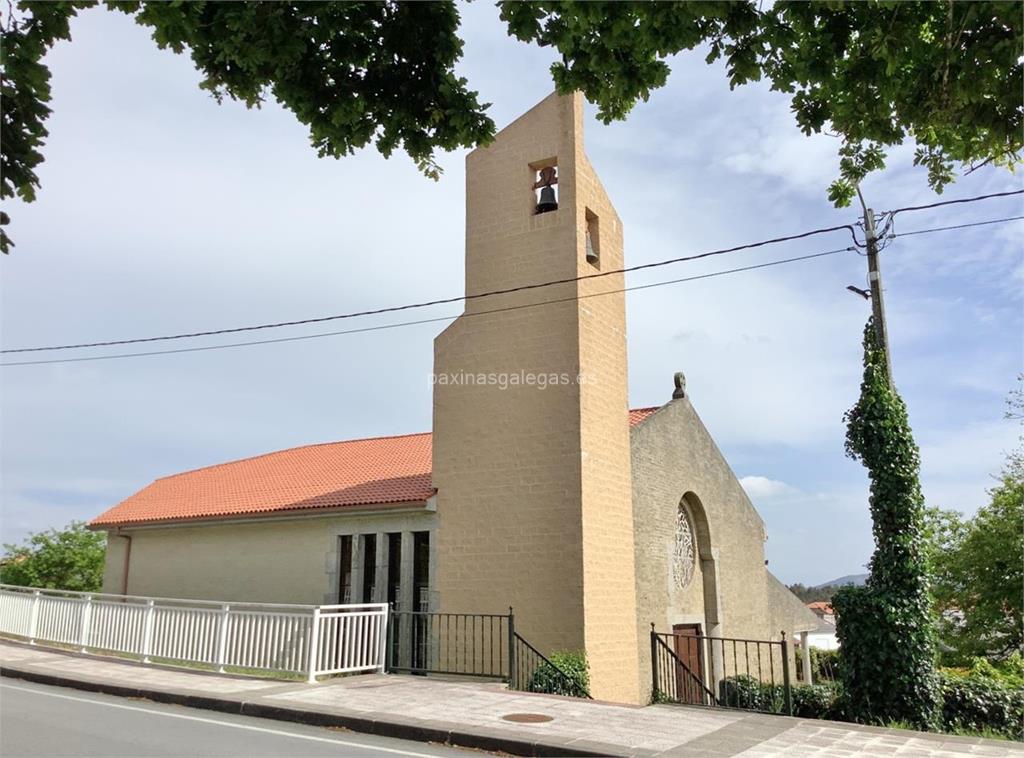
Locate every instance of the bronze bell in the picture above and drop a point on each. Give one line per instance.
(591, 253)
(547, 200)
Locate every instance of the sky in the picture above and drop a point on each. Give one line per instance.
(164, 212)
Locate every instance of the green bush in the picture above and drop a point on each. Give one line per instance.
(982, 704)
(825, 665)
(660, 697)
(744, 691)
(812, 701)
(973, 702)
(1009, 671)
(818, 701)
(567, 674)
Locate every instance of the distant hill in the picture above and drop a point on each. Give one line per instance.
(855, 579)
(826, 590)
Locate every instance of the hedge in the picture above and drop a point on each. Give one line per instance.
(744, 691)
(981, 704)
(971, 702)
(818, 701)
(825, 665)
(812, 701)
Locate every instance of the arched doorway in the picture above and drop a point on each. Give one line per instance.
(702, 657)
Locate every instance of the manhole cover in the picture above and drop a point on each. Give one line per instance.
(527, 718)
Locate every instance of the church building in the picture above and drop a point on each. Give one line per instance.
(538, 487)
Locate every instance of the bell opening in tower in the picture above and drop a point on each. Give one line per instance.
(592, 241)
(545, 187)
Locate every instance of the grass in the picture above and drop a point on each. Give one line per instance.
(989, 734)
(289, 676)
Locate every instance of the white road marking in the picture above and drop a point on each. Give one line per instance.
(264, 730)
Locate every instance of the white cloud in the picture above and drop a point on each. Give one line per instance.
(774, 148)
(762, 487)
(958, 465)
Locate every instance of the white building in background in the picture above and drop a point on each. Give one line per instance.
(824, 636)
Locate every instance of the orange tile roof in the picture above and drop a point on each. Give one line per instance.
(636, 415)
(376, 471)
(356, 472)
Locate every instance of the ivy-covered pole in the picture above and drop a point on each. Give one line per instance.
(885, 628)
(875, 282)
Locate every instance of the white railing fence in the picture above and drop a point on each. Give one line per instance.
(300, 639)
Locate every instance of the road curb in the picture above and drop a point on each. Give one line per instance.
(381, 727)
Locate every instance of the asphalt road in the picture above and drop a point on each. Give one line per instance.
(37, 720)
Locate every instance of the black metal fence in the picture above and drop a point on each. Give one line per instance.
(466, 644)
(674, 680)
(483, 645)
(722, 672)
(533, 672)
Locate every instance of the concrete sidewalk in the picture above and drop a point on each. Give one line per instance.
(477, 715)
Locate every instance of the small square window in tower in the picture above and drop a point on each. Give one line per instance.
(545, 179)
(593, 239)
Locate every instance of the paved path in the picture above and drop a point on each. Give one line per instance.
(38, 720)
(474, 714)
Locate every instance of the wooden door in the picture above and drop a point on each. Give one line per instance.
(689, 675)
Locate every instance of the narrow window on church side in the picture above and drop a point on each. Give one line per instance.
(394, 567)
(421, 571)
(369, 566)
(345, 569)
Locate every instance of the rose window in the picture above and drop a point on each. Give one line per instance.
(683, 554)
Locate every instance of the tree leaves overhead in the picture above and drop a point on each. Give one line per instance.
(947, 74)
(614, 52)
(355, 73)
(25, 96)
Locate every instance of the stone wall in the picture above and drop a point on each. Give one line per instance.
(790, 615)
(674, 456)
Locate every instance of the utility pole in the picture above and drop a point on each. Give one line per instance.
(875, 280)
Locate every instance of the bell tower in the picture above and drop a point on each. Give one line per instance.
(531, 432)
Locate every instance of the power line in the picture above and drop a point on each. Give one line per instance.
(942, 203)
(443, 301)
(397, 325)
(231, 344)
(958, 226)
(890, 216)
(492, 293)
(438, 319)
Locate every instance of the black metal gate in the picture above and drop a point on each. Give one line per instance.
(484, 645)
(722, 672)
(464, 644)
